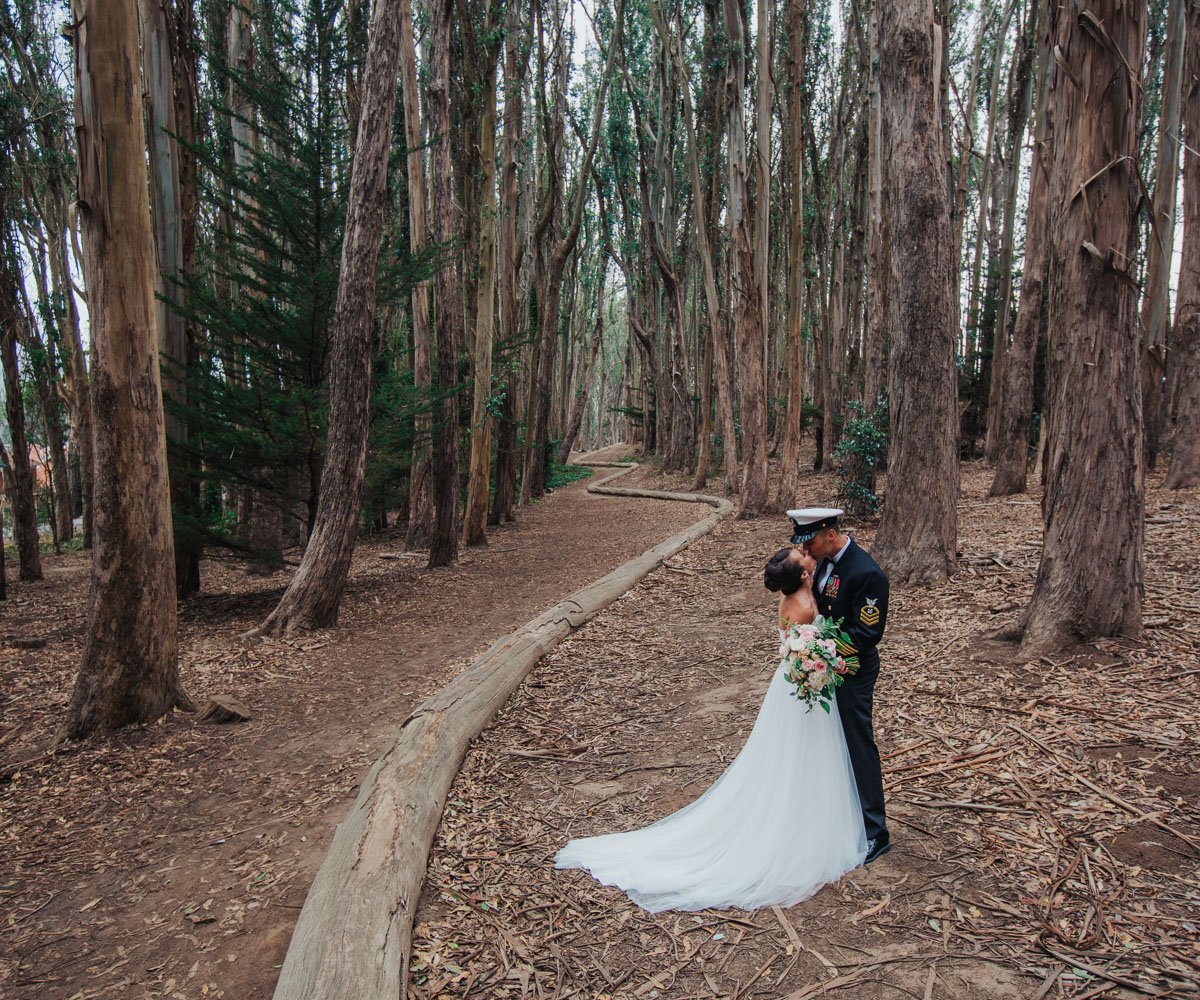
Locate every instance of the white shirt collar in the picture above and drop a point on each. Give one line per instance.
(842, 551)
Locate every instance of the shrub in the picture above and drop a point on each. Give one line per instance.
(859, 454)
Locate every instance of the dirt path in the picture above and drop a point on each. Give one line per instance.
(1023, 797)
(172, 860)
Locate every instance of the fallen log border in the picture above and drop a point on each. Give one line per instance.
(353, 939)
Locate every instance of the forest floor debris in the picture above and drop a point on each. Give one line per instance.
(171, 860)
(1043, 813)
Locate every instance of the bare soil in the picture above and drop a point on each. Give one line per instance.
(172, 859)
(1044, 814)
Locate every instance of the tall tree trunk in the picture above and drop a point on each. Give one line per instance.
(974, 342)
(704, 456)
(1015, 403)
(443, 546)
(966, 146)
(579, 398)
(1089, 581)
(1184, 471)
(789, 486)
(918, 530)
(715, 337)
(1155, 304)
(478, 476)
(549, 289)
(1021, 97)
(22, 490)
(677, 440)
(512, 320)
(166, 215)
(315, 592)
(3, 568)
(765, 21)
(129, 671)
(56, 212)
(44, 365)
(184, 46)
(420, 502)
(76, 376)
(748, 321)
(257, 517)
(875, 339)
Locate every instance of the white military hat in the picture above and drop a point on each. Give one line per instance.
(808, 521)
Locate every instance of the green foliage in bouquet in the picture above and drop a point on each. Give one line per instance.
(817, 657)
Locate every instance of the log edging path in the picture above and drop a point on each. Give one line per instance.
(353, 939)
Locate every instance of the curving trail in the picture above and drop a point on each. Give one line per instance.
(354, 935)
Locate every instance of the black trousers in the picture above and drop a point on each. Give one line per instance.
(854, 702)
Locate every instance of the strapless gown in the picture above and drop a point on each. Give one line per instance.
(781, 821)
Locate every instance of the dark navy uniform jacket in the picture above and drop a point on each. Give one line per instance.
(857, 593)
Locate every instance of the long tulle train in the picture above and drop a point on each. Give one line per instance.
(782, 821)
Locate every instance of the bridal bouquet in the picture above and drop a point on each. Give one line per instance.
(817, 658)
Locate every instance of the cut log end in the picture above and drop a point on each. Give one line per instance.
(221, 709)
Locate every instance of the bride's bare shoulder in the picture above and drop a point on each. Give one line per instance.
(797, 609)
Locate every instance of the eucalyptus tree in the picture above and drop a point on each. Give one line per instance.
(38, 337)
(653, 105)
(511, 251)
(1184, 470)
(420, 504)
(13, 317)
(749, 323)
(170, 67)
(918, 530)
(483, 50)
(1089, 580)
(1155, 307)
(129, 670)
(789, 486)
(314, 594)
(556, 242)
(443, 543)
(41, 149)
(1020, 99)
(1014, 407)
(716, 344)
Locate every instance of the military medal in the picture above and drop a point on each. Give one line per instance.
(831, 588)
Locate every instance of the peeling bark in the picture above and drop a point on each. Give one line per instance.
(1089, 580)
(129, 671)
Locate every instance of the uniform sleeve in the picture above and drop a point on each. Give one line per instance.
(868, 612)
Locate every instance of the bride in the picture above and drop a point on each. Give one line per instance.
(782, 821)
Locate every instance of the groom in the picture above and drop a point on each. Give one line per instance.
(849, 585)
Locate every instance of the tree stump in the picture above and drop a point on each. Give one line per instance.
(221, 708)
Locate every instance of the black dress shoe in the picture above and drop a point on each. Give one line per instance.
(876, 847)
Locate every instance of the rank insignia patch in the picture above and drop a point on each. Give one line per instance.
(869, 615)
(831, 588)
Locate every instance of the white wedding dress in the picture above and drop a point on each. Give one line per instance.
(782, 821)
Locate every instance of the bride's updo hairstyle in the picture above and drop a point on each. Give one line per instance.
(784, 571)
